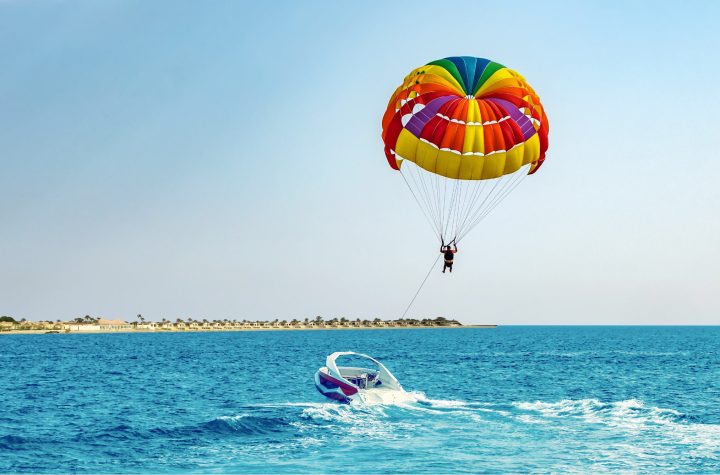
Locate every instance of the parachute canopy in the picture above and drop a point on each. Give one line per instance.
(471, 130)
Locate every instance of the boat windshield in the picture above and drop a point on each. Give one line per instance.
(357, 361)
(359, 370)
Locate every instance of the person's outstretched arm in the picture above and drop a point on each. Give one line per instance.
(455, 246)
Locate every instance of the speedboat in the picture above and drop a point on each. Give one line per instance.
(373, 384)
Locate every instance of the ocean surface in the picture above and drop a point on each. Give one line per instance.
(511, 399)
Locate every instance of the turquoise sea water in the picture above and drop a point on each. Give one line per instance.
(639, 399)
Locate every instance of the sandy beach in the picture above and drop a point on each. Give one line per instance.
(84, 332)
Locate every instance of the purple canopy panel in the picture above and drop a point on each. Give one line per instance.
(525, 124)
(419, 120)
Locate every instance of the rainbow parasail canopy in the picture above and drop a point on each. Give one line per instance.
(471, 129)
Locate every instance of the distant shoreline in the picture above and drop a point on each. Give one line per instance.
(232, 330)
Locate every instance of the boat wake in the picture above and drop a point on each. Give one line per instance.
(626, 435)
(631, 419)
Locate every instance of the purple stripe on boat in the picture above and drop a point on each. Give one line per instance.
(419, 120)
(522, 121)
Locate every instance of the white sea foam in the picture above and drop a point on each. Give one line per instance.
(388, 397)
(443, 403)
(656, 426)
(633, 417)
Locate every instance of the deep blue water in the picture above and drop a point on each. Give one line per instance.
(639, 399)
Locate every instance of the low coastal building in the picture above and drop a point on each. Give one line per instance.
(83, 327)
(105, 324)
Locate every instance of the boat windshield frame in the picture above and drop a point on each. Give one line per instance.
(382, 371)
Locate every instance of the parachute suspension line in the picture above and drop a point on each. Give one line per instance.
(422, 193)
(508, 188)
(455, 205)
(421, 286)
(428, 196)
(453, 209)
(433, 194)
(479, 191)
(478, 184)
(467, 189)
(435, 183)
(470, 189)
(419, 204)
(474, 211)
(449, 209)
(472, 200)
(445, 209)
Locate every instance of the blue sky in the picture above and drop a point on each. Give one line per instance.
(224, 160)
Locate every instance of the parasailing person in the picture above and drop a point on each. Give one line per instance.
(449, 254)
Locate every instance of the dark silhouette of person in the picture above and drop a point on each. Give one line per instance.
(449, 255)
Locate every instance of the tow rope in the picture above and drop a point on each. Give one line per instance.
(421, 286)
